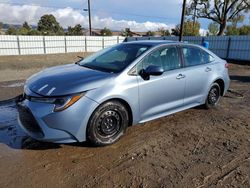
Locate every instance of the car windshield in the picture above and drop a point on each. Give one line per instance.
(114, 59)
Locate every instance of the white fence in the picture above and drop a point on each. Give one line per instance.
(226, 47)
(27, 45)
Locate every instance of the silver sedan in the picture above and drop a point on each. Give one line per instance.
(97, 98)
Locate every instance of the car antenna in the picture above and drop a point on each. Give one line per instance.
(80, 59)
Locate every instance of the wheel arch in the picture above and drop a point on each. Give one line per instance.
(126, 105)
(221, 84)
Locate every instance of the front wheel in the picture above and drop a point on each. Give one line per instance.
(108, 123)
(213, 96)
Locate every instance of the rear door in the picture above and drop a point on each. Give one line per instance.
(197, 71)
(161, 94)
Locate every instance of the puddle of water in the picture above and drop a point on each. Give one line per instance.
(11, 133)
(17, 84)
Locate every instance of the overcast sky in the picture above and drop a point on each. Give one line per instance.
(139, 15)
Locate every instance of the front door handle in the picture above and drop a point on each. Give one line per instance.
(180, 76)
(208, 69)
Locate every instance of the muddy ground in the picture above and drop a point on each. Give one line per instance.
(194, 148)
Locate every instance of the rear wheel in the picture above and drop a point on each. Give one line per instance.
(108, 123)
(213, 96)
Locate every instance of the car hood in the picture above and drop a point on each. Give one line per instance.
(66, 79)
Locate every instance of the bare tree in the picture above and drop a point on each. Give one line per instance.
(219, 11)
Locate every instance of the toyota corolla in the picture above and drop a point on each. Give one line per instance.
(97, 98)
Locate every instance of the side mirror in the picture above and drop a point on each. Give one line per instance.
(151, 70)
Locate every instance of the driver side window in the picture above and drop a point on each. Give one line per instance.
(167, 58)
(152, 59)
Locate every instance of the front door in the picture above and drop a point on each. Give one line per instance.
(164, 93)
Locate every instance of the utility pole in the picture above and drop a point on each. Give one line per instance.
(195, 12)
(90, 28)
(89, 11)
(182, 19)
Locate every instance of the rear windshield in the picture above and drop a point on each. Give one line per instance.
(116, 58)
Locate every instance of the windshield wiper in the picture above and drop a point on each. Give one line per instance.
(97, 68)
(87, 66)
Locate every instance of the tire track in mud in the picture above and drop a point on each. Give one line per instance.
(219, 176)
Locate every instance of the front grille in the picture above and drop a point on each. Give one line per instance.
(28, 121)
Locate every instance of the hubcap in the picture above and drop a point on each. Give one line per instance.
(109, 123)
(213, 96)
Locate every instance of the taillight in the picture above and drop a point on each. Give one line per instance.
(226, 65)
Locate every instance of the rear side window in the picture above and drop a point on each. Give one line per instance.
(206, 57)
(196, 56)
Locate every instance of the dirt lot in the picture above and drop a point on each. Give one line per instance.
(194, 148)
(20, 67)
(15, 69)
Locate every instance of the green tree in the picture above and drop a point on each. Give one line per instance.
(219, 11)
(106, 32)
(190, 29)
(34, 32)
(48, 25)
(232, 30)
(11, 31)
(26, 26)
(244, 30)
(176, 31)
(77, 30)
(213, 28)
(24, 30)
(127, 33)
(1, 27)
(164, 32)
(150, 33)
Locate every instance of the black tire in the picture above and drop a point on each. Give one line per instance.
(213, 96)
(108, 123)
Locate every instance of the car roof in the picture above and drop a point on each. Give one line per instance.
(154, 42)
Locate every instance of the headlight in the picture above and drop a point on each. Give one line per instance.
(61, 103)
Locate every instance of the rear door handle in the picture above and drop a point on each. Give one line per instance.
(208, 69)
(180, 76)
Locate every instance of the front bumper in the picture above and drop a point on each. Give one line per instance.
(40, 122)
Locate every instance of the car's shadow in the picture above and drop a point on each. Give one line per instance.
(25, 142)
(245, 79)
(31, 144)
